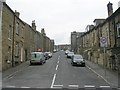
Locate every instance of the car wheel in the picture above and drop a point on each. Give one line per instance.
(45, 61)
(31, 63)
(42, 63)
(72, 63)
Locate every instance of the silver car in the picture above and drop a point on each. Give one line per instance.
(77, 60)
(37, 57)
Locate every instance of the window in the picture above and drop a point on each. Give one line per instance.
(22, 32)
(118, 30)
(9, 54)
(17, 49)
(17, 28)
(10, 32)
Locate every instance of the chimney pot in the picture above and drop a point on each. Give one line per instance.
(33, 25)
(17, 13)
(110, 9)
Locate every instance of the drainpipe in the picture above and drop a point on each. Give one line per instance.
(115, 35)
(1, 6)
(109, 33)
(13, 62)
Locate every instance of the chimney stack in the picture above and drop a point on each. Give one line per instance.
(33, 25)
(17, 13)
(118, 4)
(110, 9)
(43, 32)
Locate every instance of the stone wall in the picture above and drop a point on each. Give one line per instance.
(7, 24)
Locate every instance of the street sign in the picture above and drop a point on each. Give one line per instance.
(104, 44)
(103, 41)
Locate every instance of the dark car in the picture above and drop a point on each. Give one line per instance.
(77, 60)
(70, 54)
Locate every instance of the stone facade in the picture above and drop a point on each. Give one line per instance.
(29, 41)
(7, 36)
(18, 38)
(90, 40)
(12, 38)
(74, 40)
(64, 47)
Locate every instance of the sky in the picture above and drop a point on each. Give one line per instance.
(61, 17)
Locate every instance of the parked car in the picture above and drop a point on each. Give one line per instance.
(49, 54)
(66, 52)
(54, 50)
(70, 54)
(37, 57)
(77, 60)
(46, 55)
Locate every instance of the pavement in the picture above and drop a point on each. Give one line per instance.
(111, 77)
(8, 73)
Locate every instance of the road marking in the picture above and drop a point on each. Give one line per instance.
(10, 77)
(25, 87)
(11, 86)
(56, 67)
(58, 85)
(40, 87)
(98, 74)
(73, 86)
(89, 86)
(53, 80)
(105, 86)
(58, 57)
(58, 62)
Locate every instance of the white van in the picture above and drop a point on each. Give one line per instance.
(37, 57)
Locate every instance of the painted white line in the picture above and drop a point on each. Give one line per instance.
(58, 62)
(53, 80)
(73, 85)
(40, 87)
(10, 77)
(11, 86)
(98, 74)
(89, 86)
(56, 67)
(105, 86)
(58, 85)
(58, 57)
(25, 87)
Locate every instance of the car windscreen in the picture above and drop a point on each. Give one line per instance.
(78, 57)
(35, 55)
(70, 53)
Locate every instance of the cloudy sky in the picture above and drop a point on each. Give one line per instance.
(61, 17)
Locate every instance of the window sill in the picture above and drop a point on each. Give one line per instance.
(9, 39)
